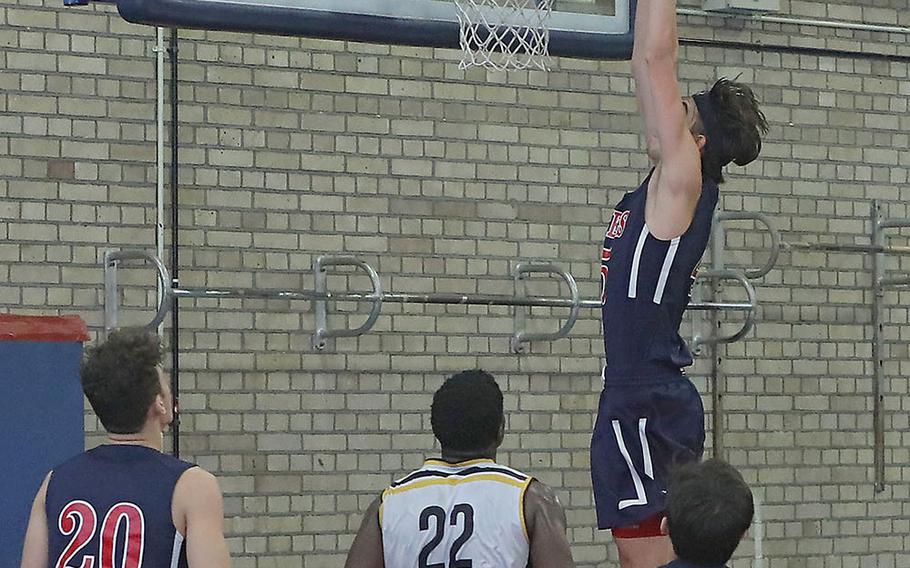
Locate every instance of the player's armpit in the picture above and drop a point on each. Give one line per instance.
(546, 528)
(199, 504)
(366, 550)
(34, 551)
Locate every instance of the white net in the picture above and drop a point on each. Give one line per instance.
(505, 34)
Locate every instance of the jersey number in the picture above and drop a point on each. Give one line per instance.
(467, 513)
(78, 518)
(641, 498)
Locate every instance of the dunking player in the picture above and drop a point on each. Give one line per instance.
(650, 415)
(125, 503)
(464, 509)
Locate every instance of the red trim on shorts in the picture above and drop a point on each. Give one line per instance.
(647, 528)
(42, 328)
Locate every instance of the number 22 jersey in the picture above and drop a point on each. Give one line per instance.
(111, 507)
(456, 515)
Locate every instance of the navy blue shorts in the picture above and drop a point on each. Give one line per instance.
(644, 427)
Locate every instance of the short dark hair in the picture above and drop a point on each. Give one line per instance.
(741, 126)
(120, 379)
(467, 411)
(709, 509)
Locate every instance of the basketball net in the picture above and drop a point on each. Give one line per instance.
(504, 34)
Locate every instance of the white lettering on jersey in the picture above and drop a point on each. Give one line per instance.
(617, 224)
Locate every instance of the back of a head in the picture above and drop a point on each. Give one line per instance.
(120, 379)
(467, 411)
(709, 509)
(740, 125)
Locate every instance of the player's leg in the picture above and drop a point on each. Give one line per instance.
(627, 499)
(641, 431)
(676, 435)
(644, 545)
(644, 552)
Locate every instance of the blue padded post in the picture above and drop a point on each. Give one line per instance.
(42, 413)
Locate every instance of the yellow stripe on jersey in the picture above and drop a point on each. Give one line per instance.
(467, 479)
(521, 508)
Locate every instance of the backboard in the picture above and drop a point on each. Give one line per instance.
(592, 29)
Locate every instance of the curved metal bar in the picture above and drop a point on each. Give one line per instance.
(319, 269)
(111, 302)
(521, 336)
(756, 273)
(749, 322)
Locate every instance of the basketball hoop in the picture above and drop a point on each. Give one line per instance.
(504, 34)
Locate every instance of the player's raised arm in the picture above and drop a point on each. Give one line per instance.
(642, 84)
(669, 120)
(366, 550)
(546, 528)
(34, 552)
(197, 498)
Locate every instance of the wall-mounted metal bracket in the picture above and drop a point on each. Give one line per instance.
(320, 271)
(523, 271)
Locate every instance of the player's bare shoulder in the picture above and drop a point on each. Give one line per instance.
(196, 489)
(196, 484)
(546, 520)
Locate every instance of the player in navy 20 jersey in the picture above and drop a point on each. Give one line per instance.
(125, 503)
(650, 415)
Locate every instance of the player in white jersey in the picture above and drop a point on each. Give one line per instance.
(464, 510)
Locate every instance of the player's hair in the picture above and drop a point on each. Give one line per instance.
(120, 379)
(467, 411)
(734, 131)
(709, 509)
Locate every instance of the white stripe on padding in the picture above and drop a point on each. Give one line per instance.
(175, 552)
(665, 270)
(636, 260)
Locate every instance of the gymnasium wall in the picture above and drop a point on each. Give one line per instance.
(442, 180)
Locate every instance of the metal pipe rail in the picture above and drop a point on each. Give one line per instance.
(321, 296)
(452, 298)
(880, 282)
(714, 288)
(836, 247)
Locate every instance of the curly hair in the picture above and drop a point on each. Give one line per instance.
(120, 379)
(734, 126)
(467, 411)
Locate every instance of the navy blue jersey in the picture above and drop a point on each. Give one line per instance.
(113, 504)
(646, 284)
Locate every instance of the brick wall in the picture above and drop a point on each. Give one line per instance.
(442, 180)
